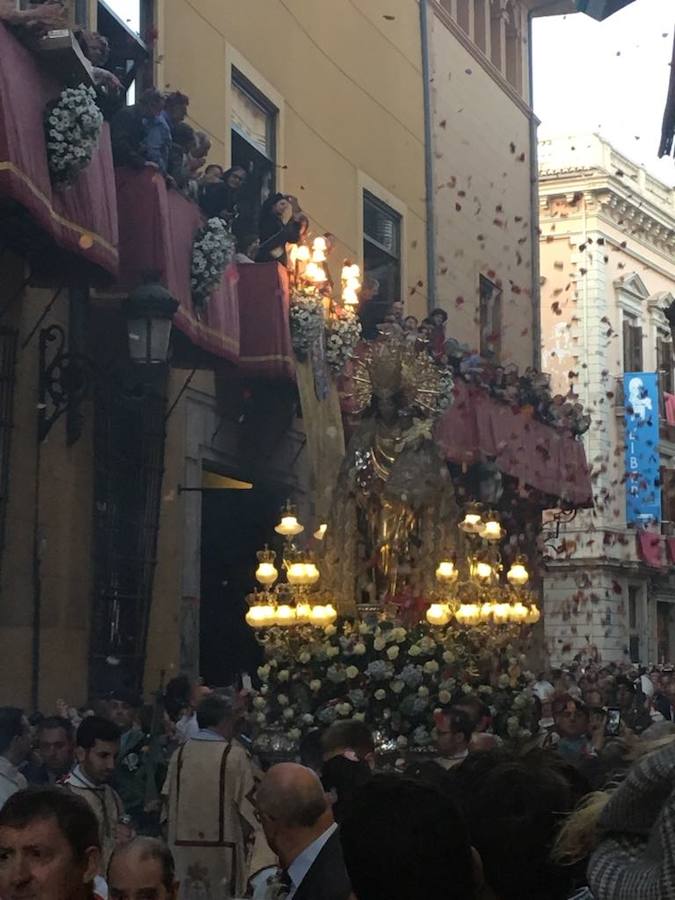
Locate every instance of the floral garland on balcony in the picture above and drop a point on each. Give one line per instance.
(73, 125)
(392, 677)
(213, 250)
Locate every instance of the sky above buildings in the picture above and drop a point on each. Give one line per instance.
(607, 77)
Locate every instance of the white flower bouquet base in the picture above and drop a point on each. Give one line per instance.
(73, 126)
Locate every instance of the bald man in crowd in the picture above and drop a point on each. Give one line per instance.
(300, 828)
(142, 870)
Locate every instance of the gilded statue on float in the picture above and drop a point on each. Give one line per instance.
(393, 511)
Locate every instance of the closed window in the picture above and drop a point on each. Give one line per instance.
(490, 319)
(632, 344)
(382, 246)
(664, 363)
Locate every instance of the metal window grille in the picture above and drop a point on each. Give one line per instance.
(8, 347)
(129, 438)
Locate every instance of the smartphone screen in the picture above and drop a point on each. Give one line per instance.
(613, 722)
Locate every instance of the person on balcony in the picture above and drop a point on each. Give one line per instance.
(129, 131)
(182, 144)
(282, 222)
(247, 248)
(161, 128)
(219, 199)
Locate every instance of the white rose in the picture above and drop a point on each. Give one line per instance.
(431, 667)
(467, 689)
(263, 672)
(402, 741)
(308, 719)
(330, 630)
(380, 694)
(423, 691)
(294, 734)
(284, 675)
(282, 700)
(393, 652)
(289, 713)
(397, 686)
(344, 709)
(352, 672)
(315, 685)
(304, 658)
(414, 650)
(260, 718)
(332, 651)
(448, 657)
(379, 644)
(444, 697)
(363, 628)
(401, 635)
(359, 649)
(259, 703)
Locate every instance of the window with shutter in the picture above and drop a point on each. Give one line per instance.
(668, 494)
(632, 344)
(664, 362)
(637, 349)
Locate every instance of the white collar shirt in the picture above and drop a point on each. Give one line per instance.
(302, 863)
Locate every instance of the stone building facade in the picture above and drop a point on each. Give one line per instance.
(607, 280)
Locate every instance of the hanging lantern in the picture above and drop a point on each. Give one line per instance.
(289, 525)
(533, 615)
(315, 272)
(149, 311)
(501, 613)
(438, 614)
(487, 611)
(303, 613)
(519, 612)
(447, 572)
(296, 574)
(481, 570)
(266, 573)
(468, 614)
(319, 249)
(284, 615)
(260, 616)
(472, 521)
(312, 573)
(351, 284)
(518, 575)
(303, 254)
(491, 529)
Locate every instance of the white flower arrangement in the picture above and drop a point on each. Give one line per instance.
(306, 320)
(73, 125)
(340, 331)
(343, 332)
(213, 250)
(366, 669)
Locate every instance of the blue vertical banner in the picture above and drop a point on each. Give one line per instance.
(641, 419)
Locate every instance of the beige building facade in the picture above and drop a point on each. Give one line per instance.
(607, 280)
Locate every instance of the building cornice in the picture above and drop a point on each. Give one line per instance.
(630, 211)
(444, 16)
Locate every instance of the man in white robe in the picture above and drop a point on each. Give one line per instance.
(210, 805)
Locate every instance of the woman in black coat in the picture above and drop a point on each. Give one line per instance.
(281, 222)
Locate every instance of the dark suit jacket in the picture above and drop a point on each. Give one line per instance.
(327, 879)
(662, 705)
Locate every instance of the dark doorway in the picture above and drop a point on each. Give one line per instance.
(235, 524)
(259, 183)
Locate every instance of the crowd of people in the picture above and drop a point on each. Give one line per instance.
(124, 801)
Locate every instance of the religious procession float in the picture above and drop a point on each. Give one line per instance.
(419, 585)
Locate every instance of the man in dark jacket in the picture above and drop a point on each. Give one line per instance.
(300, 829)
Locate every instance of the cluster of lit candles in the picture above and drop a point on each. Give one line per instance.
(308, 264)
(268, 609)
(483, 572)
